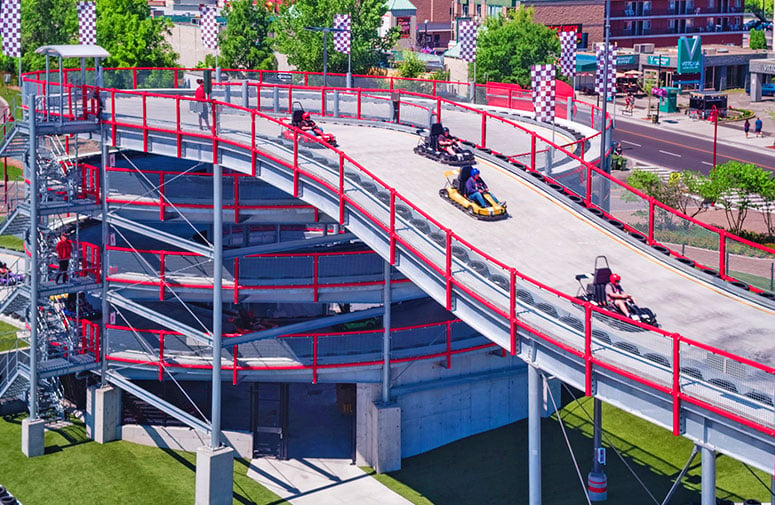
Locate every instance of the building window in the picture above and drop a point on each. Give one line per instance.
(711, 4)
(646, 7)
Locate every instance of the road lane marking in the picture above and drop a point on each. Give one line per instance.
(706, 163)
(631, 143)
(686, 146)
(671, 154)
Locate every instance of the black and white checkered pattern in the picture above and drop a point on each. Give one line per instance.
(342, 39)
(208, 26)
(467, 40)
(542, 79)
(12, 28)
(600, 79)
(568, 53)
(87, 23)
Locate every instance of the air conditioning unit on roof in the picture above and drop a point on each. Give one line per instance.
(643, 48)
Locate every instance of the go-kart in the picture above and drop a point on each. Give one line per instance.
(430, 147)
(303, 121)
(594, 292)
(455, 190)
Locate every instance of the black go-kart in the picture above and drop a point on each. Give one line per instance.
(594, 292)
(431, 146)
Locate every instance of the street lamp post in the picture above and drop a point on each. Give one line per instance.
(326, 30)
(715, 133)
(659, 80)
(426, 44)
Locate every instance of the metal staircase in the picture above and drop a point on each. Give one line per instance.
(15, 224)
(14, 144)
(16, 303)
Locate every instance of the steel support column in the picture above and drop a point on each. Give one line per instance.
(34, 274)
(534, 409)
(215, 432)
(708, 476)
(387, 298)
(105, 232)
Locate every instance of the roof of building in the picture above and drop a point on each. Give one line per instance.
(73, 51)
(400, 5)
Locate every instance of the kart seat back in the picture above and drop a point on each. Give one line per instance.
(465, 173)
(433, 137)
(602, 278)
(297, 117)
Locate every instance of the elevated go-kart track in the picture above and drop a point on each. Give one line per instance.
(704, 373)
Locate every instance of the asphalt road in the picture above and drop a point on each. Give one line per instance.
(666, 148)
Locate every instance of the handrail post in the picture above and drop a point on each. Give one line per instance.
(587, 349)
(358, 116)
(341, 189)
(438, 110)
(448, 270)
(484, 130)
(676, 392)
(236, 281)
(449, 345)
(588, 196)
(234, 364)
(652, 210)
(296, 163)
(513, 310)
(722, 254)
(314, 359)
(532, 151)
(315, 267)
(392, 226)
(161, 356)
(162, 259)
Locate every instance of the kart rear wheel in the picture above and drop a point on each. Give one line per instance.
(444, 194)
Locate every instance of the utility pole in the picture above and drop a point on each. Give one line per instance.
(326, 30)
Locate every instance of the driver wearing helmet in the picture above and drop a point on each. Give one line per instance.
(447, 142)
(476, 187)
(307, 124)
(615, 295)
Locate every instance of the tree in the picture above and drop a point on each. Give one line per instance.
(688, 192)
(46, 22)
(304, 48)
(508, 45)
(131, 36)
(767, 205)
(735, 185)
(411, 66)
(757, 39)
(245, 43)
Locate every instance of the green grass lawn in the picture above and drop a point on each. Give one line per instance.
(11, 242)
(493, 467)
(76, 471)
(7, 338)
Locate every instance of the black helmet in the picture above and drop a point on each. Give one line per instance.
(445, 130)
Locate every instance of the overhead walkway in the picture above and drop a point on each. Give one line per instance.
(686, 376)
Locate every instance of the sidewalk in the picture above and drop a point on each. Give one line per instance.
(315, 481)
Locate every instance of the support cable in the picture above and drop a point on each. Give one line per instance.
(151, 352)
(177, 297)
(608, 441)
(768, 488)
(155, 188)
(567, 442)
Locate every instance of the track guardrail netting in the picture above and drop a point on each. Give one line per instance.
(728, 385)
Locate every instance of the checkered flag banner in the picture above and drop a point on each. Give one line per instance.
(542, 79)
(467, 40)
(208, 26)
(568, 53)
(87, 23)
(12, 28)
(342, 39)
(600, 79)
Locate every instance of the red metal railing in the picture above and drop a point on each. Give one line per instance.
(315, 361)
(311, 262)
(442, 264)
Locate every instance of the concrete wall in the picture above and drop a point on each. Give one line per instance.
(439, 405)
(458, 69)
(187, 42)
(184, 438)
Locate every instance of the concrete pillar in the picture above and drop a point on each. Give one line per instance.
(386, 437)
(708, 476)
(756, 87)
(336, 103)
(214, 476)
(276, 99)
(32, 437)
(534, 410)
(597, 482)
(722, 80)
(103, 413)
(245, 95)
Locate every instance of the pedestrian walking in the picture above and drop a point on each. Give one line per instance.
(201, 106)
(64, 253)
(746, 127)
(757, 127)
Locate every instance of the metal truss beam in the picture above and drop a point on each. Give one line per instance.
(305, 326)
(163, 236)
(289, 245)
(151, 399)
(166, 321)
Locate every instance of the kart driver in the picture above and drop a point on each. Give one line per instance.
(448, 143)
(615, 295)
(476, 187)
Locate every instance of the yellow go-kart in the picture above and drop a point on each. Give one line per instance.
(454, 192)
